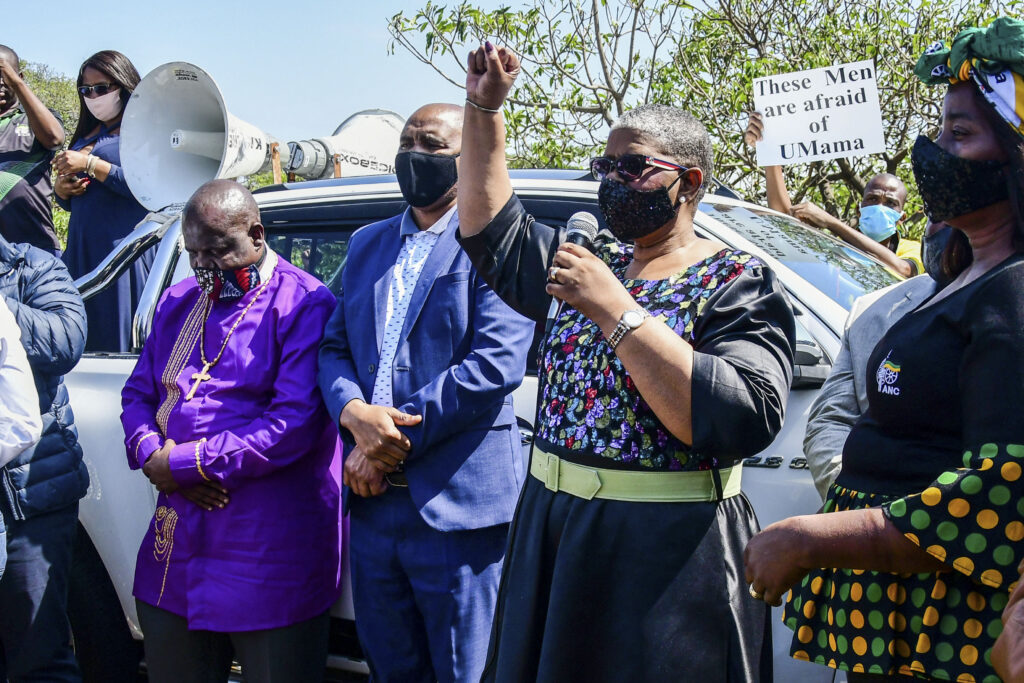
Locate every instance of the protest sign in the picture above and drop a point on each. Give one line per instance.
(819, 114)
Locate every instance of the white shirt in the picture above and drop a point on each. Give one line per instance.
(416, 247)
(20, 421)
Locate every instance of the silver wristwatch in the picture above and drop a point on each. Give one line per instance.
(630, 320)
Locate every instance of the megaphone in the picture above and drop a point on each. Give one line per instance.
(177, 134)
(365, 143)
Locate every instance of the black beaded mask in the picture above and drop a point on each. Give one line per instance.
(952, 186)
(630, 213)
(932, 248)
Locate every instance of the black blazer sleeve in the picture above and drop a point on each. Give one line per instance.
(512, 254)
(742, 366)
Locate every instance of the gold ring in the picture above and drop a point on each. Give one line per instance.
(754, 594)
(553, 274)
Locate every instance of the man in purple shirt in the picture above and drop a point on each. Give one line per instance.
(223, 415)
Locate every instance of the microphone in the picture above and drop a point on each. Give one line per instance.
(581, 229)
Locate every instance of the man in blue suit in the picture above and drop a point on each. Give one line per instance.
(417, 367)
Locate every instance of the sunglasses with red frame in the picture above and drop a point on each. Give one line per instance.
(629, 166)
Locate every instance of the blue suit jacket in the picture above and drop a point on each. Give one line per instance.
(462, 353)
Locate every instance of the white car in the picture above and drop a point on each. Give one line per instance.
(309, 224)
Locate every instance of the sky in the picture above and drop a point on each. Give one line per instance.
(294, 68)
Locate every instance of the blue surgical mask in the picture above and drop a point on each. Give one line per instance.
(878, 222)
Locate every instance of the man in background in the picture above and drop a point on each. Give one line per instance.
(881, 212)
(29, 135)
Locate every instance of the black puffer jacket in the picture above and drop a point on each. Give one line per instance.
(41, 295)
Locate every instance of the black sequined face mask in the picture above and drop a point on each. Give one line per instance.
(630, 213)
(932, 248)
(952, 186)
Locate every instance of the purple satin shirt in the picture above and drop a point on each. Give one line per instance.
(270, 558)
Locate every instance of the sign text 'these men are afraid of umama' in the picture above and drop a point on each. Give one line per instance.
(819, 114)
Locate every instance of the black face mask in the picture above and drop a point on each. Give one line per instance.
(932, 247)
(630, 213)
(952, 186)
(425, 178)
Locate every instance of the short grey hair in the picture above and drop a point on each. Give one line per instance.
(676, 133)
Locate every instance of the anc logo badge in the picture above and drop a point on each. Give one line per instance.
(887, 376)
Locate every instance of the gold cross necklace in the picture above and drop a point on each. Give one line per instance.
(204, 374)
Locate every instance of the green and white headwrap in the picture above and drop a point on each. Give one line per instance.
(991, 57)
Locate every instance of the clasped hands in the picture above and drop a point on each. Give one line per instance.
(207, 495)
(68, 164)
(380, 446)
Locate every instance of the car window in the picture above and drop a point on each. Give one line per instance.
(315, 237)
(320, 253)
(838, 270)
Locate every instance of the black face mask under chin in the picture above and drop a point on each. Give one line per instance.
(425, 178)
(630, 213)
(932, 247)
(952, 186)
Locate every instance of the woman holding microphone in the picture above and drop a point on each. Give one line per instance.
(668, 363)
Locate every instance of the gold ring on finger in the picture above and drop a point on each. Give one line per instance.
(553, 274)
(755, 594)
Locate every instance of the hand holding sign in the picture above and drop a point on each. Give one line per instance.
(816, 115)
(755, 130)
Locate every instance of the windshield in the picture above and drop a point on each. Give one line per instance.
(839, 271)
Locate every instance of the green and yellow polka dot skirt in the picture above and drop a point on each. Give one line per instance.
(931, 626)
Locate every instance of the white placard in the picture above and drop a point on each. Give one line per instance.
(819, 114)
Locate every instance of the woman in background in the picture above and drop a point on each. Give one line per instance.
(91, 185)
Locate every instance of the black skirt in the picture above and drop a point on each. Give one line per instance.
(604, 590)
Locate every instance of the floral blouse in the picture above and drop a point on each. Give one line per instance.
(589, 401)
(729, 307)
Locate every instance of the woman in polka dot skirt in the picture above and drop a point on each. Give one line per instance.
(924, 526)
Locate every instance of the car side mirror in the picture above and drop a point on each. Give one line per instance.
(810, 367)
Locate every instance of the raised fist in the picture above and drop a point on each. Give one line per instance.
(490, 73)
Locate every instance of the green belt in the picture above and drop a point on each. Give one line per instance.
(656, 486)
